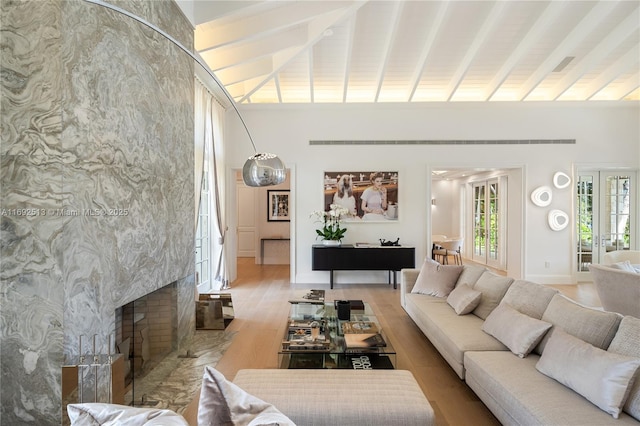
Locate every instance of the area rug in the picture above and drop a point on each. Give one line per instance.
(174, 382)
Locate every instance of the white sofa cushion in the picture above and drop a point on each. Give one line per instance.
(591, 325)
(627, 342)
(463, 299)
(97, 414)
(330, 397)
(529, 298)
(451, 334)
(517, 331)
(435, 279)
(493, 288)
(518, 394)
(604, 378)
(624, 266)
(223, 403)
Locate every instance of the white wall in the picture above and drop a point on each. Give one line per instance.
(606, 134)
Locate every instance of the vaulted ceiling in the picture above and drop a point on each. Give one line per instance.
(421, 51)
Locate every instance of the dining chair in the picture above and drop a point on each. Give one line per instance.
(436, 249)
(450, 247)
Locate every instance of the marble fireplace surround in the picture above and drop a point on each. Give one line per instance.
(97, 183)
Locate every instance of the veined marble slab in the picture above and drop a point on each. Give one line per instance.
(97, 184)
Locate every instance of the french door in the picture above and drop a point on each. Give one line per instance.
(489, 223)
(604, 215)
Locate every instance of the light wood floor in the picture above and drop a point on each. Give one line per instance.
(260, 297)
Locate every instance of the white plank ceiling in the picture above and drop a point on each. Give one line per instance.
(421, 51)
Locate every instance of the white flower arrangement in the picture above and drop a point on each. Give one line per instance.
(331, 229)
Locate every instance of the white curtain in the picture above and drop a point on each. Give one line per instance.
(209, 126)
(200, 112)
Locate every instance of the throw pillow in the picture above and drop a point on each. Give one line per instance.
(627, 342)
(96, 413)
(529, 298)
(463, 299)
(435, 279)
(470, 274)
(623, 266)
(223, 403)
(591, 325)
(517, 331)
(604, 378)
(493, 288)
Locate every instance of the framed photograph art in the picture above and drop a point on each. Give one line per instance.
(368, 195)
(278, 206)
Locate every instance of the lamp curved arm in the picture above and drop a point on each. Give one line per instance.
(185, 50)
(261, 169)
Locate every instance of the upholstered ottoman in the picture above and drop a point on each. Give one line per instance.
(341, 397)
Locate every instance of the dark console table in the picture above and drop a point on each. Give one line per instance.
(369, 258)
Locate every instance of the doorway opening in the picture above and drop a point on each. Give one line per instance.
(604, 216)
(263, 236)
(484, 207)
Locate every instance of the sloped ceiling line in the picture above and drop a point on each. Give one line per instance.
(275, 51)
(546, 18)
(613, 40)
(428, 45)
(623, 65)
(480, 38)
(389, 42)
(351, 28)
(595, 16)
(317, 28)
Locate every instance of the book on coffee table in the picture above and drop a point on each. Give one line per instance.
(364, 340)
(369, 361)
(313, 296)
(355, 305)
(359, 327)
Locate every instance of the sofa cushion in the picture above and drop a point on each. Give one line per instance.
(591, 325)
(623, 266)
(529, 298)
(470, 274)
(463, 299)
(604, 378)
(627, 342)
(493, 288)
(330, 397)
(96, 414)
(451, 334)
(518, 394)
(222, 403)
(436, 279)
(517, 331)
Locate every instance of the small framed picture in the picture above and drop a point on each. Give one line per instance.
(278, 206)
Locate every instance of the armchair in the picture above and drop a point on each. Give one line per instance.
(619, 290)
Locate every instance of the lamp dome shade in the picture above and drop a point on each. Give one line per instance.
(263, 170)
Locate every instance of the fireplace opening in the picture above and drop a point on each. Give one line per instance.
(146, 332)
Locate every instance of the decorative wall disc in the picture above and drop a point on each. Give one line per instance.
(558, 220)
(561, 180)
(541, 196)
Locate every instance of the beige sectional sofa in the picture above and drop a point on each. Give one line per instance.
(513, 387)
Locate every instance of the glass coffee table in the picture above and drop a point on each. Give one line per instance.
(357, 343)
